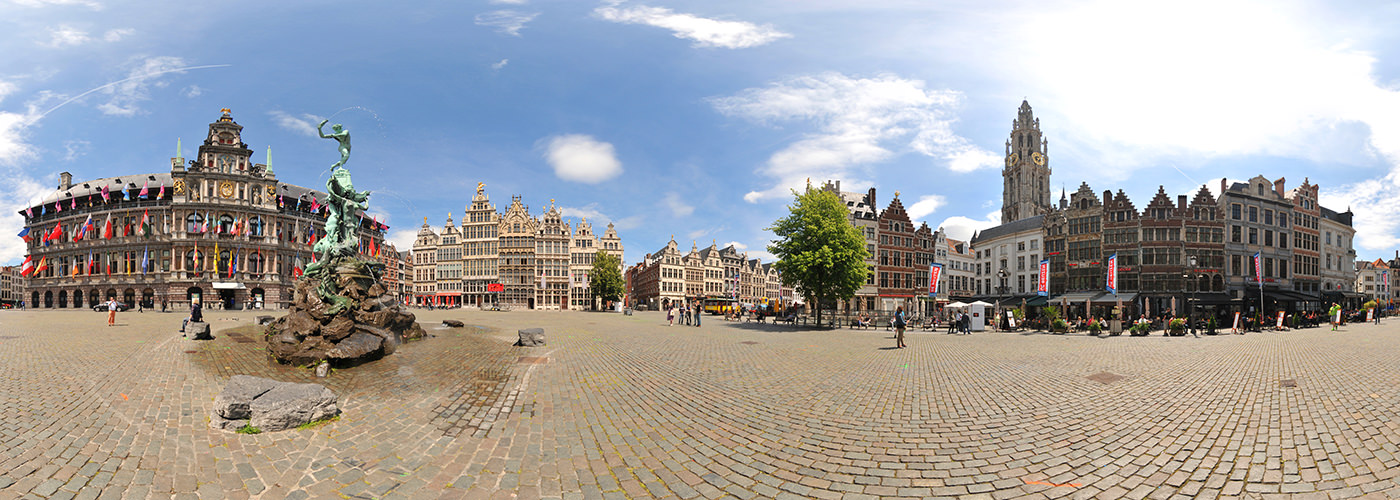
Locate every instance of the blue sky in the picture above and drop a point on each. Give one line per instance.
(694, 118)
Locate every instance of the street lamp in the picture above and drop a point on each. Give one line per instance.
(1001, 291)
(1192, 275)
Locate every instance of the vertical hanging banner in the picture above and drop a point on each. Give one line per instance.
(934, 272)
(1112, 281)
(1042, 283)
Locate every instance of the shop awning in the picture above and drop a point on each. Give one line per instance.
(228, 286)
(1076, 297)
(1123, 296)
(1213, 299)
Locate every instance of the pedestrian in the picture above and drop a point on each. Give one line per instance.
(111, 311)
(899, 327)
(141, 307)
(196, 315)
(697, 314)
(162, 305)
(966, 324)
(670, 316)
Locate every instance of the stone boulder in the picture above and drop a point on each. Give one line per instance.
(198, 330)
(270, 405)
(368, 324)
(264, 320)
(530, 337)
(453, 323)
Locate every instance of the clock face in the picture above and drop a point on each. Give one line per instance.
(180, 186)
(226, 189)
(1038, 158)
(1012, 159)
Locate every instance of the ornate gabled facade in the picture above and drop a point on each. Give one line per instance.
(895, 268)
(1120, 236)
(481, 226)
(517, 261)
(219, 228)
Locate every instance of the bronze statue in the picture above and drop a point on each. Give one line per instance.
(340, 135)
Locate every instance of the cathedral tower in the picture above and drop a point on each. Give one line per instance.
(1026, 178)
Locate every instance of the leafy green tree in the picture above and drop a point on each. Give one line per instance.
(605, 280)
(820, 253)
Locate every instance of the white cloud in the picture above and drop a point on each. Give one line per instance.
(737, 246)
(126, 95)
(705, 32)
(677, 206)
(961, 228)
(13, 147)
(509, 22)
(304, 124)
(116, 34)
(68, 36)
(42, 3)
(581, 158)
(600, 220)
(192, 91)
(858, 121)
(926, 205)
(402, 238)
(76, 148)
(501, 64)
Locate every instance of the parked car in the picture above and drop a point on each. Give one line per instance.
(102, 307)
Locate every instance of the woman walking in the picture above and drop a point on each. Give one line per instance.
(899, 327)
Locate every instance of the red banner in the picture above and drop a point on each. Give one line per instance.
(934, 271)
(1042, 283)
(495, 287)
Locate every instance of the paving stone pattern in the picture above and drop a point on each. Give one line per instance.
(626, 407)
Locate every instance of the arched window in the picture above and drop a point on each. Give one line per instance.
(193, 259)
(255, 263)
(193, 223)
(225, 223)
(255, 226)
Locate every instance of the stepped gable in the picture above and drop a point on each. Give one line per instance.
(1203, 197)
(1121, 202)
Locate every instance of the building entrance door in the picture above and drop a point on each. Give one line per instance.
(226, 297)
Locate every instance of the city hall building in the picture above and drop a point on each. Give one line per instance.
(220, 228)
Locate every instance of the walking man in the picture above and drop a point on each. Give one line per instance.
(899, 328)
(111, 311)
(697, 314)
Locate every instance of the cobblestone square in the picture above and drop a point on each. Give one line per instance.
(625, 407)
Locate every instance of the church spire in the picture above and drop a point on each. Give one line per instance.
(1026, 178)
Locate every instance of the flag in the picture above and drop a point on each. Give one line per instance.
(1042, 283)
(126, 229)
(82, 231)
(58, 206)
(56, 234)
(106, 195)
(146, 260)
(216, 258)
(161, 194)
(107, 229)
(43, 264)
(74, 206)
(146, 223)
(24, 235)
(90, 263)
(315, 205)
(144, 189)
(296, 267)
(1112, 281)
(29, 212)
(233, 263)
(27, 267)
(934, 272)
(279, 201)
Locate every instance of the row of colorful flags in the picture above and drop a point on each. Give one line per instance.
(106, 197)
(89, 229)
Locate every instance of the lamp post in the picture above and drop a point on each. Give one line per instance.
(1193, 275)
(1001, 291)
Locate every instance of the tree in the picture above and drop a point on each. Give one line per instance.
(819, 251)
(605, 280)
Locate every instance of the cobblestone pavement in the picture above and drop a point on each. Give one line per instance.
(626, 407)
